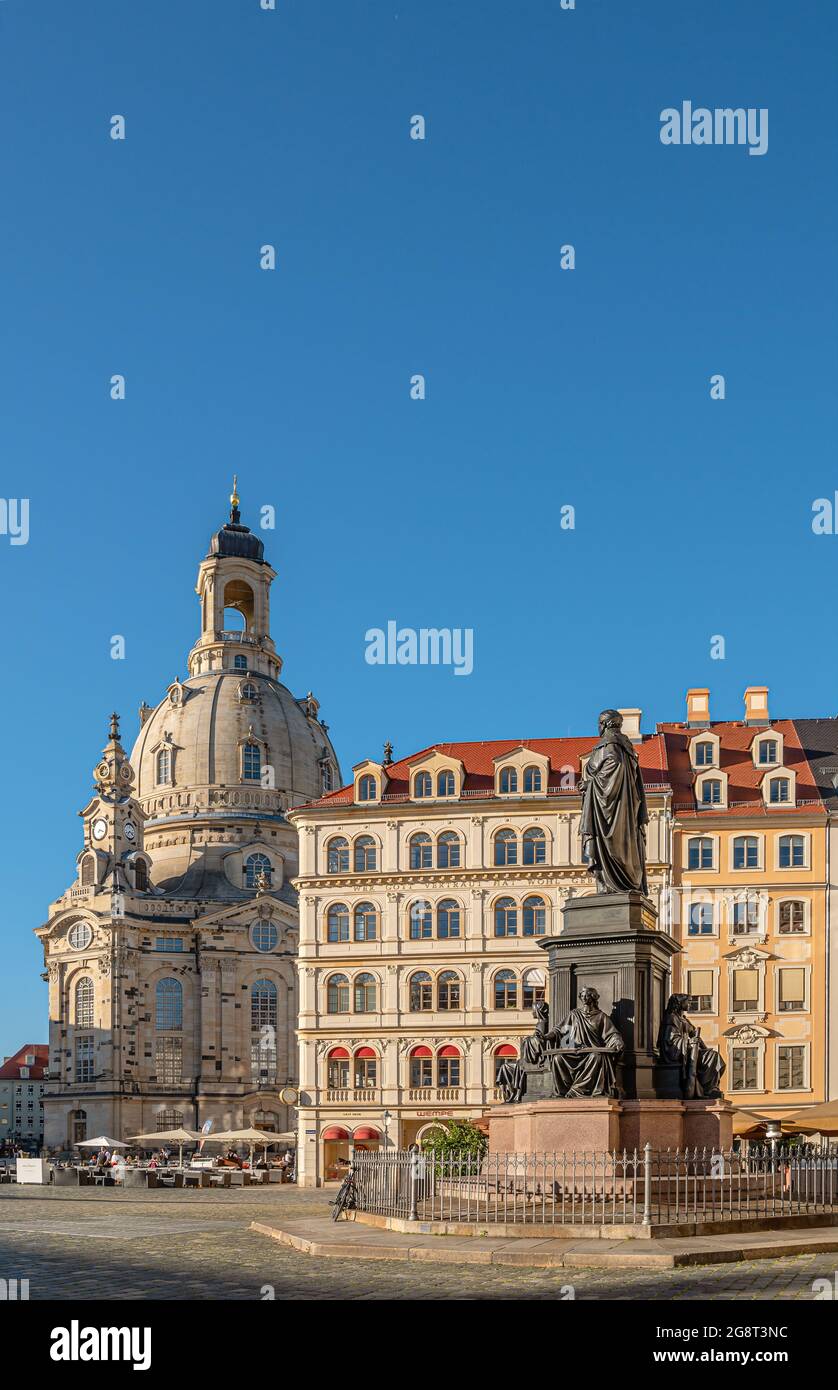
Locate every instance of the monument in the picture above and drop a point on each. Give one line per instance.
(614, 1062)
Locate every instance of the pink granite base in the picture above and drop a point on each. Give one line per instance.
(600, 1124)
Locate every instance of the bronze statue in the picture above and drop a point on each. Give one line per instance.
(589, 1046)
(614, 813)
(681, 1044)
(512, 1076)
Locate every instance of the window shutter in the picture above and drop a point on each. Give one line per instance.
(746, 985)
(792, 985)
(701, 982)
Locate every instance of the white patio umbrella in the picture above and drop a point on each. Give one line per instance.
(103, 1142)
(168, 1136)
(245, 1136)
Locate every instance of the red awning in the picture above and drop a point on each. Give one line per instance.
(506, 1050)
(335, 1132)
(365, 1052)
(338, 1052)
(449, 1052)
(366, 1132)
(421, 1052)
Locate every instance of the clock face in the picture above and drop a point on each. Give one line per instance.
(130, 831)
(100, 829)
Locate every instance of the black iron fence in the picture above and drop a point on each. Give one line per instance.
(646, 1187)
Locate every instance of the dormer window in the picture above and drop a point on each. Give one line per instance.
(508, 780)
(366, 788)
(778, 791)
(704, 754)
(532, 779)
(711, 792)
(767, 752)
(445, 785)
(164, 767)
(422, 785)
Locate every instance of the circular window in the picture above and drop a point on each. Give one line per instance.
(80, 935)
(264, 936)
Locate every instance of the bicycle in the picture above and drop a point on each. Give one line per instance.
(345, 1199)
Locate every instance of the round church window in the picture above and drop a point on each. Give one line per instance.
(264, 936)
(80, 936)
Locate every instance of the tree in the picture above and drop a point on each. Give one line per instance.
(455, 1138)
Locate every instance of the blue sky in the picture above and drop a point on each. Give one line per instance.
(544, 387)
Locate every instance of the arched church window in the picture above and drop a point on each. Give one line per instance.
(263, 1015)
(168, 998)
(84, 1003)
(251, 762)
(254, 865)
(164, 767)
(88, 871)
(140, 875)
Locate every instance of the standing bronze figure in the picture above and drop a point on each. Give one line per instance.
(614, 812)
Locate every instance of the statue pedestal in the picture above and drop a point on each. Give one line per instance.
(599, 1125)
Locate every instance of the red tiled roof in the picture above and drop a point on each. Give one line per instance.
(744, 792)
(10, 1070)
(478, 761)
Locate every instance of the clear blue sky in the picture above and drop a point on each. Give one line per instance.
(545, 388)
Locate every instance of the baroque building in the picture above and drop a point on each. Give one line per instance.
(425, 888)
(170, 957)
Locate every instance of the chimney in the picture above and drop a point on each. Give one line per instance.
(756, 705)
(631, 724)
(698, 709)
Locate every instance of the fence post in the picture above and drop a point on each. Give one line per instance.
(414, 1174)
(647, 1184)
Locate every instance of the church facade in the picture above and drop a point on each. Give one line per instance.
(170, 958)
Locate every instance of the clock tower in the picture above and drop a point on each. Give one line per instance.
(113, 818)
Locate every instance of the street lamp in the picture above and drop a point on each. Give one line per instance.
(387, 1118)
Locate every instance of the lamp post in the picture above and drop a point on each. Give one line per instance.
(387, 1117)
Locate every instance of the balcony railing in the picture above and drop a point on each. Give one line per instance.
(428, 1094)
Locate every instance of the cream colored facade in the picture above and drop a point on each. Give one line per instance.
(395, 1095)
(170, 958)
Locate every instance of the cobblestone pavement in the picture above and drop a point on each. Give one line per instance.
(196, 1245)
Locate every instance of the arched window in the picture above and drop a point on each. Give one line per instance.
(84, 1003)
(366, 1069)
(506, 990)
(421, 992)
(263, 1019)
(746, 852)
(365, 994)
(792, 917)
(700, 852)
(240, 663)
(448, 1066)
(535, 916)
(366, 788)
(337, 995)
(337, 924)
(503, 1054)
(532, 989)
(447, 919)
(448, 850)
(445, 785)
(141, 875)
(506, 847)
(365, 922)
(168, 1119)
(337, 1069)
(792, 852)
(421, 1068)
(509, 779)
(337, 856)
(164, 767)
(506, 917)
(421, 921)
(421, 851)
(254, 865)
(532, 779)
(88, 871)
(449, 992)
(364, 854)
(168, 1006)
(711, 792)
(422, 785)
(326, 777)
(778, 790)
(251, 762)
(535, 846)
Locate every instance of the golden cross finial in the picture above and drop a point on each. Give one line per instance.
(234, 495)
